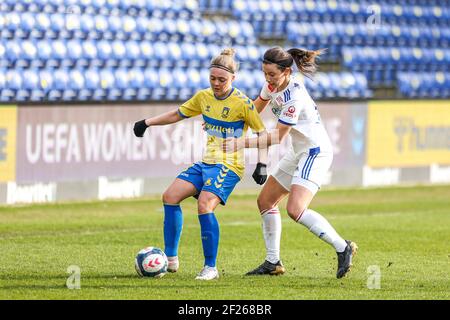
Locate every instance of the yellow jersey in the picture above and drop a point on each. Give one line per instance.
(227, 117)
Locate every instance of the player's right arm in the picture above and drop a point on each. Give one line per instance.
(163, 119)
(188, 109)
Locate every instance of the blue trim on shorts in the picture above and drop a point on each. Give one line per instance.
(313, 152)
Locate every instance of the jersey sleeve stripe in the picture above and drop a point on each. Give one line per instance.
(263, 98)
(286, 123)
(181, 114)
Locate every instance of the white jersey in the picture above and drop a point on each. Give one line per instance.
(293, 106)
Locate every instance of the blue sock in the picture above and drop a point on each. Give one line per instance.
(210, 237)
(173, 224)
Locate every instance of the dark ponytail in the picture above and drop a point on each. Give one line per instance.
(305, 60)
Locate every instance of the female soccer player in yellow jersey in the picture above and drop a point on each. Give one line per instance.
(226, 113)
(301, 172)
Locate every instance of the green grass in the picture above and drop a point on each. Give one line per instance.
(404, 231)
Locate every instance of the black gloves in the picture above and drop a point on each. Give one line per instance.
(260, 173)
(139, 128)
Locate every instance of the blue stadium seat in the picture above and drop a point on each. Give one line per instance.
(119, 53)
(57, 24)
(175, 54)
(87, 27)
(74, 86)
(147, 54)
(45, 79)
(142, 28)
(115, 26)
(102, 27)
(59, 50)
(195, 80)
(178, 89)
(27, 24)
(90, 53)
(91, 84)
(104, 52)
(60, 83)
(29, 53)
(162, 91)
(74, 54)
(42, 26)
(204, 78)
(150, 82)
(119, 85)
(133, 52)
(203, 54)
(13, 50)
(2, 78)
(13, 21)
(12, 84)
(106, 83)
(129, 26)
(135, 82)
(189, 55)
(161, 53)
(3, 56)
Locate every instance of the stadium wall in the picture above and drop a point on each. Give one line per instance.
(85, 152)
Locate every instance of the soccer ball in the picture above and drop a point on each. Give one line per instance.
(151, 262)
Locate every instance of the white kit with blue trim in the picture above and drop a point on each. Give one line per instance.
(311, 153)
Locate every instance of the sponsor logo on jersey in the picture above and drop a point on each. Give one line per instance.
(290, 112)
(276, 111)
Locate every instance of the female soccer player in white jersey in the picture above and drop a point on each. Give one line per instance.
(226, 112)
(301, 171)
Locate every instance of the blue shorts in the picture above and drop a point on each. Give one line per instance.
(214, 178)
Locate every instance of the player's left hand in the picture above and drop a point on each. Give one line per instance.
(230, 145)
(260, 173)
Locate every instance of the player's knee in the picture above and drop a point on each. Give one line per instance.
(294, 211)
(264, 204)
(204, 205)
(169, 197)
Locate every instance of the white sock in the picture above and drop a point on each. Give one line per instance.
(318, 225)
(272, 233)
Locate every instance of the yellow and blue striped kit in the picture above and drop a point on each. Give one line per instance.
(227, 117)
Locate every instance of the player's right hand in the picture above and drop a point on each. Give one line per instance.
(139, 128)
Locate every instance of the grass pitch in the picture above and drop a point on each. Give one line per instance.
(402, 232)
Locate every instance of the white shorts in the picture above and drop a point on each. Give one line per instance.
(307, 169)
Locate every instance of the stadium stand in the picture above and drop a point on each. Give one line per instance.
(140, 50)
